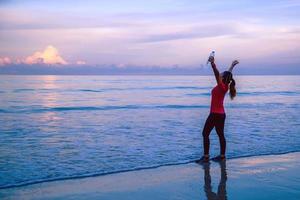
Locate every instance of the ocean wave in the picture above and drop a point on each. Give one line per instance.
(19, 109)
(182, 106)
(199, 94)
(283, 93)
(95, 174)
(19, 90)
(89, 90)
(23, 90)
(161, 88)
(151, 88)
(94, 108)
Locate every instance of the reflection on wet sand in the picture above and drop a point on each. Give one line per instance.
(221, 193)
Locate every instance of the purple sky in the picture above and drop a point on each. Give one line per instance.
(150, 33)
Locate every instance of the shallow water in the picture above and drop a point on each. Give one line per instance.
(56, 127)
(270, 176)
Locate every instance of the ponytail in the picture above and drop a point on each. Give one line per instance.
(232, 90)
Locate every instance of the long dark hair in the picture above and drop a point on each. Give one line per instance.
(228, 79)
(232, 90)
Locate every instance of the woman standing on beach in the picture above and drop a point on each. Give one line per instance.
(216, 118)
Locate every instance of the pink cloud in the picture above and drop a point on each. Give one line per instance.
(49, 56)
(80, 62)
(5, 61)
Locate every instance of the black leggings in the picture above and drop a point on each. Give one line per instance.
(214, 120)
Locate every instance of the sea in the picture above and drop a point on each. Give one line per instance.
(64, 127)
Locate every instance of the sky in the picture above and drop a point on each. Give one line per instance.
(262, 35)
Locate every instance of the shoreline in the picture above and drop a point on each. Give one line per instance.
(255, 172)
(128, 170)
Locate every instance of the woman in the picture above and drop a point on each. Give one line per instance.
(216, 118)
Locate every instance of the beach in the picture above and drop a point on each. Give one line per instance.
(118, 99)
(259, 177)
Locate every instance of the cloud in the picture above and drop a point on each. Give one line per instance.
(80, 62)
(5, 61)
(49, 56)
(205, 31)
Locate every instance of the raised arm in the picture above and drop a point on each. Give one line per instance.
(234, 63)
(215, 69)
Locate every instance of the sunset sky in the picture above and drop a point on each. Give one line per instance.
(150, 33)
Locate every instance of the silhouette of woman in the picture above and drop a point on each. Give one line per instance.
(216, 118)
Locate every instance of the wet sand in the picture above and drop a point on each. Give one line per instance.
(260, 177)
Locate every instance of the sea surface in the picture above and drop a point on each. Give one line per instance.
(60, 127)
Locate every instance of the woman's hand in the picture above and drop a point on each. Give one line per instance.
(234, 63)
(211, 59)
